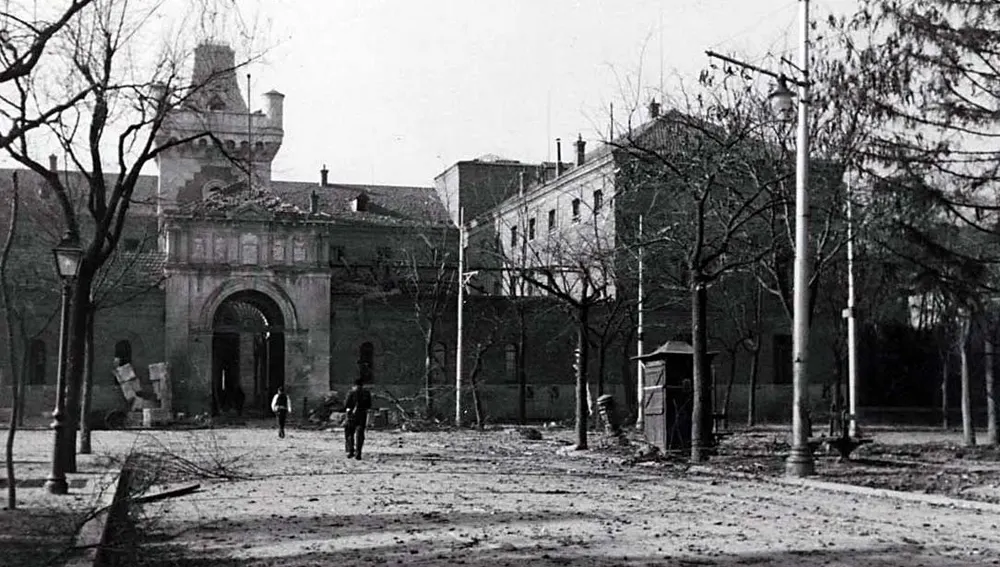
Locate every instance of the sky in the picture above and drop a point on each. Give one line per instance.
(395, 91)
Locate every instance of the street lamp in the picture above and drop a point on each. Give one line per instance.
(67, 254)
(800, 460)
(782, 100)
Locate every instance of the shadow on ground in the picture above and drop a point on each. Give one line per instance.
(553, 553)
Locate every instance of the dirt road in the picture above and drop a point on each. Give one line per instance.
(497, 499)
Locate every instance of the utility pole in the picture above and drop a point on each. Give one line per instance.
(640, 366)
(852, 341)
(461, 308)
(800, 460)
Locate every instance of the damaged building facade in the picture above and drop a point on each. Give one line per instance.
(240, 282)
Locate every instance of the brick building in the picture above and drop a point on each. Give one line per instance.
(242, 282)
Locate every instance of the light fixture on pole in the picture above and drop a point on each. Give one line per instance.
(800, 460)
(782, 100)
(68, 255)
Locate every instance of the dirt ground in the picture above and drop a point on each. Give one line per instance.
(496, 498)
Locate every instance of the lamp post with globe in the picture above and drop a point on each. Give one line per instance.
(68, 254)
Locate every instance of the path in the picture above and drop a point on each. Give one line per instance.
(495, 499)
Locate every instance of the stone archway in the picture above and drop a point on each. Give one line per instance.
(248, 352)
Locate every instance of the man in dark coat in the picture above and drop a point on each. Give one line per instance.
(358, 402)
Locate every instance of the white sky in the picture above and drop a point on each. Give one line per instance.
(394, 91)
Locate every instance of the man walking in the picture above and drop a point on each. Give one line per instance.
(281, 406)
(358, 402)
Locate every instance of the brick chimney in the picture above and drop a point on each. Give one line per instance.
(313, 203)
(654, 109)
(581, 149)
(324, 180)
(559, 164)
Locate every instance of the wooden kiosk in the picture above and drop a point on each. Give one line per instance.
(668, 393)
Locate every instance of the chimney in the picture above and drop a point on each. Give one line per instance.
(313, 203)
(559, 164)
(275, 108)
(520, 182)
(581, 147)
(654, 109)
(323, 179)
(53, 163)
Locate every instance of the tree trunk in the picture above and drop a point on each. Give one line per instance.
(429, 374)
(944, 389)
(15, 371)
(477, 400)
(520, 365)
(991, 392)
(75, 363)
(968, 431)
(758, 315)
(701, 405)
(88, 386)
(752, 385)
(582, 346)
(730, 384)
(631, 392)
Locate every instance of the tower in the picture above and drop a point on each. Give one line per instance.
(233, 145)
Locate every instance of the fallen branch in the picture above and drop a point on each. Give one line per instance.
(174, 493)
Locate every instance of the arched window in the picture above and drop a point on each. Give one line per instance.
(123, 353)
(36, 364)
(366, 361)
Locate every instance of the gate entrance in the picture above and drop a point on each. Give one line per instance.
(248, 353)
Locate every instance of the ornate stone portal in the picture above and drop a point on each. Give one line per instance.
(240, 263)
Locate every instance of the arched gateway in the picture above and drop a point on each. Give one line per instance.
(248, 352)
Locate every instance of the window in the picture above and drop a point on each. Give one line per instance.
(36, 368)
(576, 210)
(123, 353)
(336, 255)
(132, 244)
(531, 229)
(552, 220)
(510, 362)
(513, 236)
(598, 201)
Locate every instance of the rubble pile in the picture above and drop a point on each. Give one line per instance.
(322, 412)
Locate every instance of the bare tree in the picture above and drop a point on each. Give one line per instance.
(25, 40)
(8, 309)
(696, 176)
(119, 107)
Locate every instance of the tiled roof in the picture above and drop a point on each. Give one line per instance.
(386, 203)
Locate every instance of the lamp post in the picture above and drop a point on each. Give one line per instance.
(461, 309)
(67, 254)
(800, 460)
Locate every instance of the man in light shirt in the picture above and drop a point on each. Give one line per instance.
(281, 406)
